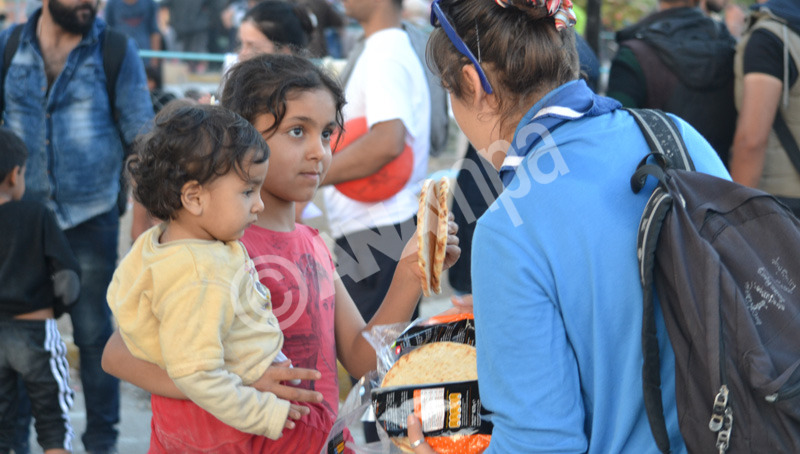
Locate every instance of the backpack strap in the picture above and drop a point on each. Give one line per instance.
(8, 55)
(663, 137)
(114, 48)
(115, 45)
(787, 140)
(669, 150)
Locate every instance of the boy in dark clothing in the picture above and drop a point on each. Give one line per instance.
(681, 61)
(38, 279)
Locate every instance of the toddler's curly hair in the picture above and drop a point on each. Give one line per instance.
(190, 142)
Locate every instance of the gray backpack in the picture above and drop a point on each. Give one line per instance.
(724, 260)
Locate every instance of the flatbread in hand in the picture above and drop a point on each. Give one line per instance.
(442, 188)
(432, 220)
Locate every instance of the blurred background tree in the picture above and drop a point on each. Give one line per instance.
(617, 14)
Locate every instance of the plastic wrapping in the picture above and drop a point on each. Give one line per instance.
(393, 341)
(453, 420)
(358, 401)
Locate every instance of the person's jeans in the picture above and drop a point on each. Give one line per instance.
(94, 243)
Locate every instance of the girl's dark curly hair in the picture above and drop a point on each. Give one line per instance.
(190, 142)
(262, 84)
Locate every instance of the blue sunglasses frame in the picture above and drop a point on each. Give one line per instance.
(438, 18)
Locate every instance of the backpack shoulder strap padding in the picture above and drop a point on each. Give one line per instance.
(663, 137)
(115, 45)
(8, 55)
(667, 146)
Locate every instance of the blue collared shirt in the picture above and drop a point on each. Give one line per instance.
(75, 149)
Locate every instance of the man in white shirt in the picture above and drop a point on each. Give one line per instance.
(388, 89)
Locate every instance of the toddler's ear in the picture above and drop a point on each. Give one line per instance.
(192, 197)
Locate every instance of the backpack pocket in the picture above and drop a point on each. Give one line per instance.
(770, 374)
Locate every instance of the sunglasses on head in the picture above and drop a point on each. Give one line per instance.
(438, 18)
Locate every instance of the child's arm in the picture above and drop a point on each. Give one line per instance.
(199, 328)
(119, 362)
(222, 394)
(352, 349)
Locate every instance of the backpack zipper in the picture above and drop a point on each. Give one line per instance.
(721, 414)
(792, 391)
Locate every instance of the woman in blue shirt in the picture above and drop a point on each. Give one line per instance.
(557, 298)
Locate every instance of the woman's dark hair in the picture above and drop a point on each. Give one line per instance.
(262, 85)
(522, 53)
(285, 24)
(190, 142)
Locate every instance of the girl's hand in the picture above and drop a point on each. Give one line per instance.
(271, 382)
(295, 412)
(409, 256)
(416, 438)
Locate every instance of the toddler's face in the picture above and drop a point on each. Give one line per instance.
(233, 202)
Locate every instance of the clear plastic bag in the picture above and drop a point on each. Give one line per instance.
(452, 418)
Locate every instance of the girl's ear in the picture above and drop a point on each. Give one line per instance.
(192, 197)
(481, 99)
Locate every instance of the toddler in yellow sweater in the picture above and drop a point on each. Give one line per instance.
(186, 296)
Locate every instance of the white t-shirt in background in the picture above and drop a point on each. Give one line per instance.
(387, 83)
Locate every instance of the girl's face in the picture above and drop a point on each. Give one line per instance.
(253, 42)
(300, 148)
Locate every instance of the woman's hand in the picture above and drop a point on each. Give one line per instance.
(271, 382)
(416, 438)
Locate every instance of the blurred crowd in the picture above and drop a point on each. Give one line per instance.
(211, 26)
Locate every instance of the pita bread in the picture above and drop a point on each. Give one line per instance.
(426, 234)
(442, 189)
(432, 220)
(438, 362)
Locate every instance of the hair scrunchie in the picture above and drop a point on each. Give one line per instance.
(560, 10)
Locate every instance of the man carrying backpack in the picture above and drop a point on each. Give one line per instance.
(55, 98)
(680, 61)
(765, 152)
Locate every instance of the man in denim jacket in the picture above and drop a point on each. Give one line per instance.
(56, 100)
